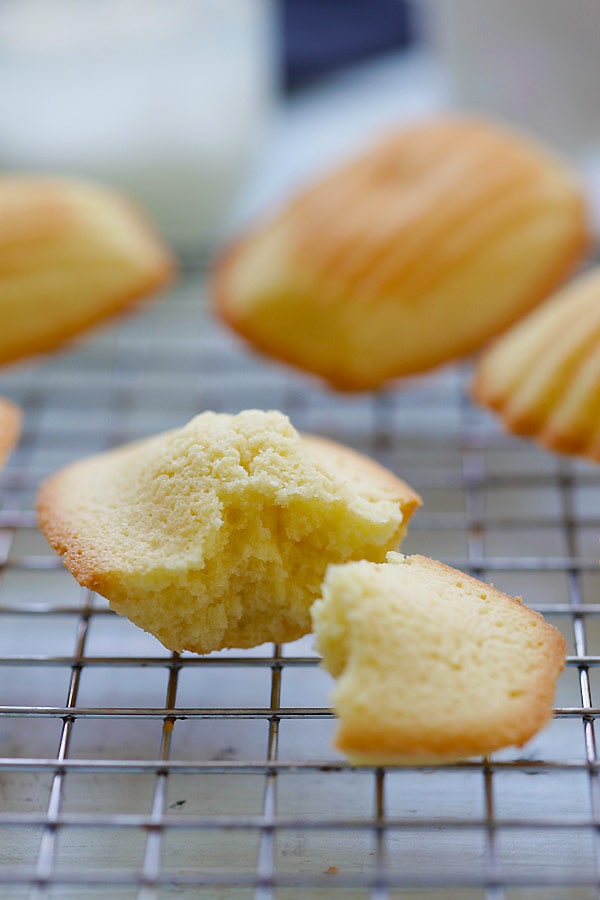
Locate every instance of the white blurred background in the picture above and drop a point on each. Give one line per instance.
(207, 110)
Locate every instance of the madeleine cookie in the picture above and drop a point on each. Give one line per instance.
(543, 376)
(432, 666)
(218, 534)
(411, 255)
(10, 427)
(71, 254)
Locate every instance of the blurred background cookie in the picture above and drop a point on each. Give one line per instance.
(412, 254)
(543, 376)
(72, 253)
(10, 427)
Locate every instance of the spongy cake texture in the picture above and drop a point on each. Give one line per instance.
(412, 254)
(432, 665)
(10, 427)
(543, 376)
(71, 253)
(218, 534)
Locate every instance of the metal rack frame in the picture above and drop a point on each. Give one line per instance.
(104, 799)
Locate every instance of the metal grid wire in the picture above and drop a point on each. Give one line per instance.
(127, 771)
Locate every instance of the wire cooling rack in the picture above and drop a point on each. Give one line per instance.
(130, 772)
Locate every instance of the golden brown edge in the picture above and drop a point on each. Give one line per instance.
(409, 499)
(76, 555)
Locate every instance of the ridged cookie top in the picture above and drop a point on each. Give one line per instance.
(10, 427)
(218, 534)
(71, 253)
(414, 253)
(431, 664)
(543, 376)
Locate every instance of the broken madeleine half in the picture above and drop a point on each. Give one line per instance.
(431, 665)
(543, 376)
(71, 254)
(218, 534)
(413, 254)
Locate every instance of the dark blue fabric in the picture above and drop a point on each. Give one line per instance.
(320, 36)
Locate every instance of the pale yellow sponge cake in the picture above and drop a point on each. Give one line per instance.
(432, 666)
(543, 376)
(410, 255)
(10, 427)
(219, 534)
(71, 254)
